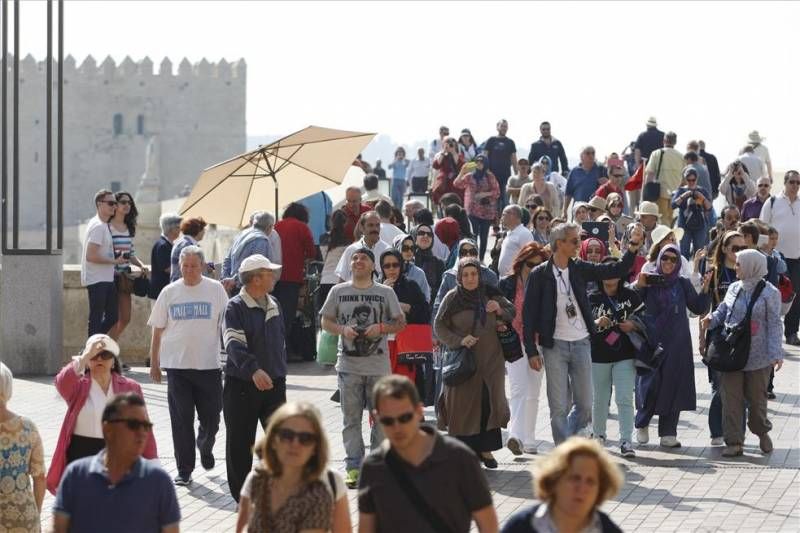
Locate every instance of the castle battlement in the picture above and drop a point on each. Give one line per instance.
(29, 67)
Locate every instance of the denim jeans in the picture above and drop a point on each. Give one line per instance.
(621, 375)
(397, 192)
(355, 393)
(692, 241)
(568, 365)
(103, 311)
(480, 227)
(715, 405)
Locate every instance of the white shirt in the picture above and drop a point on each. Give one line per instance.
(418, 169)
(97, 232)
(388, 232)
(559, 181)
(567, 329)
(192, 320)
(90, 418)
(343, 268)
(762, 153)
(754, 165)
(785, 217)
(512, 244)
(440, 249)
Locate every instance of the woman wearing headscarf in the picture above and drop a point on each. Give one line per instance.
(432, 266)
(669, 388)
(405, 245)
(475, 410)
(592, 250)
(749, 385)
(524, 375)
(481, 191)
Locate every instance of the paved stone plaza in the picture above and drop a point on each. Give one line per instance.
(688, 489)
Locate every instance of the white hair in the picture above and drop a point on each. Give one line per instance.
(559, 233)
(6, 383)
(169, 222)
(192, 250)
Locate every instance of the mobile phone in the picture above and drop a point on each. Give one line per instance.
(655, 280)
(126, 255)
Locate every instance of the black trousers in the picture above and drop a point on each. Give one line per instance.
(243, 407)
(189, 390)
(103, 311)
(791, 322)
(80, 447)
(287, 292)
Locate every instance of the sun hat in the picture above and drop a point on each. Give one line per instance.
(647, 208)
(597, 202)
(755, 138)
(255, 262)
(652, 122)
(661, 231)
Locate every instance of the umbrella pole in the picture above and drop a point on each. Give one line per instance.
(275, 181)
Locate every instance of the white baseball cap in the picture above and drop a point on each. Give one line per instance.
(109, 344)
(257, 261)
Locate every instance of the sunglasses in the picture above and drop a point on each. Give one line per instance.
(391, 265)
(793, 182)
(110, 203)
(735, 249)
(405, 418)
(124, 202)
(468, 251)
(669, 259)
(407, 248)
(134, 424)
(766, 185)
(287, 435)
(105, 356)
(424, 234)
(691, 180)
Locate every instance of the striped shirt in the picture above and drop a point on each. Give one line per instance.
(123, 244)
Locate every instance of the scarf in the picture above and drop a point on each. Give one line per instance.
(397, 243)
(752, 268)
(668, 294)
(470, 300)
(592, 241)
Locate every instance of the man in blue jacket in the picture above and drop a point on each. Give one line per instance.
(557, 316)
(255, 370)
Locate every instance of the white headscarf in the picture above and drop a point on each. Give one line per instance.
(752, 267)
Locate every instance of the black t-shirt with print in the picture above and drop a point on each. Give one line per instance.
(613, 345)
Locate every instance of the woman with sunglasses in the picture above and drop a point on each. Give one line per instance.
(405, 245)
(123, 228)
(538, 186)
(469, 316)
(541, 219)
(524, 375)
(694, 207)
(668, 388)
(615, 207)
(289, 490)
(736, 185)
(723, 268)
(481, 191)
(447, 164)
(87, 383)
(424, 258)
(467, 145)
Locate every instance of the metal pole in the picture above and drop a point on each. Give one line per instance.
(15, 126)
(60, 132)
(4, 118)
(49, 126)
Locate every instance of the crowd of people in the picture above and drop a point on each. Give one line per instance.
(589, 288)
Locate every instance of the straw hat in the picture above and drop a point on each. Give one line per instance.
(660, 233)
(648, 208)
(755, 138)
(597, 202)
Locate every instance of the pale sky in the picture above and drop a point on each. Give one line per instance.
(595, 70)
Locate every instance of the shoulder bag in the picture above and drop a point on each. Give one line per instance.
(459, 364)
(509, 341)
(652, 189)
(728, 347)
(425, 510)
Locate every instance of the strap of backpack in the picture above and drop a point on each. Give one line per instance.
(660, 160)
(332, 483)
(417, 500)
(756, 294)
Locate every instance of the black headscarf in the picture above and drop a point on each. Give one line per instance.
(470, 300)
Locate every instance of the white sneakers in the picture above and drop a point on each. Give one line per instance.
(670, 442)
(642, 435)
(717, 441)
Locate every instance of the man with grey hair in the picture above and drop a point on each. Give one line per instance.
(583, 180)
(558, 318)
(186, 321)
(255, 370)
(517, 236)
(160, 256)
(252, 240)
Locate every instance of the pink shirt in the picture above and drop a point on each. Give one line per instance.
(471, 187)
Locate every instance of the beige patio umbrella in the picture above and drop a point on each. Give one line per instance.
(305, 162)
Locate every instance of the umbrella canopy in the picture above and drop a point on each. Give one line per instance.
(305, 162)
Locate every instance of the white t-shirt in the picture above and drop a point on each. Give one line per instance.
(97, 232)
(343, 268)
(388, 232)
(512, 244)
(191, 318)
(90, 418)
(754, 165)
(567, 329)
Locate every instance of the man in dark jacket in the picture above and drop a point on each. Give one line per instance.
(557, 316)
(649, 140)
(712, 165)
(551, 147)
(255, 370)
(161, 255)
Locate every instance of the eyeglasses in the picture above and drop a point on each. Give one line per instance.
(105, 356)
(766, 185)
(134, 424)
(669, 259)
(468, 251)
(286, 435)
(424, 234)
(109, 202)
(407, 248)
(124, 202)
(405, 418)
(736, 249)
(793, 182)
(391, 265)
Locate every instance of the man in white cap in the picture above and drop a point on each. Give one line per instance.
(186, 322)
(648, 216)
(255, 370)
(761, 151)
(649, 140)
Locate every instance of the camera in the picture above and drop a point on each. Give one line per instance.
(655, 280)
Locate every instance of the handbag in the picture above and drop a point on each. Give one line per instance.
(509, 341)
(728, 347)
(652, 189)
(141, 286)
(459, 364)
(327, 348)
(414, 344)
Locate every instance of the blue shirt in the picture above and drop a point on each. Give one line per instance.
(250, 242)
(143, 501)
(175, 256)
(398, 169)
(581, 184)
(319, 207)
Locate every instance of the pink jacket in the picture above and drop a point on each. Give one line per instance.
(75, 389)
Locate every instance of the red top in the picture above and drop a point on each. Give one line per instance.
(352, 220)
(297, 245)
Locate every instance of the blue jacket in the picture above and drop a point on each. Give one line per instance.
(254, 338)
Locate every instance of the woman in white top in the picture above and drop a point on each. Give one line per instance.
(467, 145)
(547, 191)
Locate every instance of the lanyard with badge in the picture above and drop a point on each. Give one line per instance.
(566, 291)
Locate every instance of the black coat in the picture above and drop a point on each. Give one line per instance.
(522, 522)
(539, 308)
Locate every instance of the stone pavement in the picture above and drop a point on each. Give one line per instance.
(687, 489)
